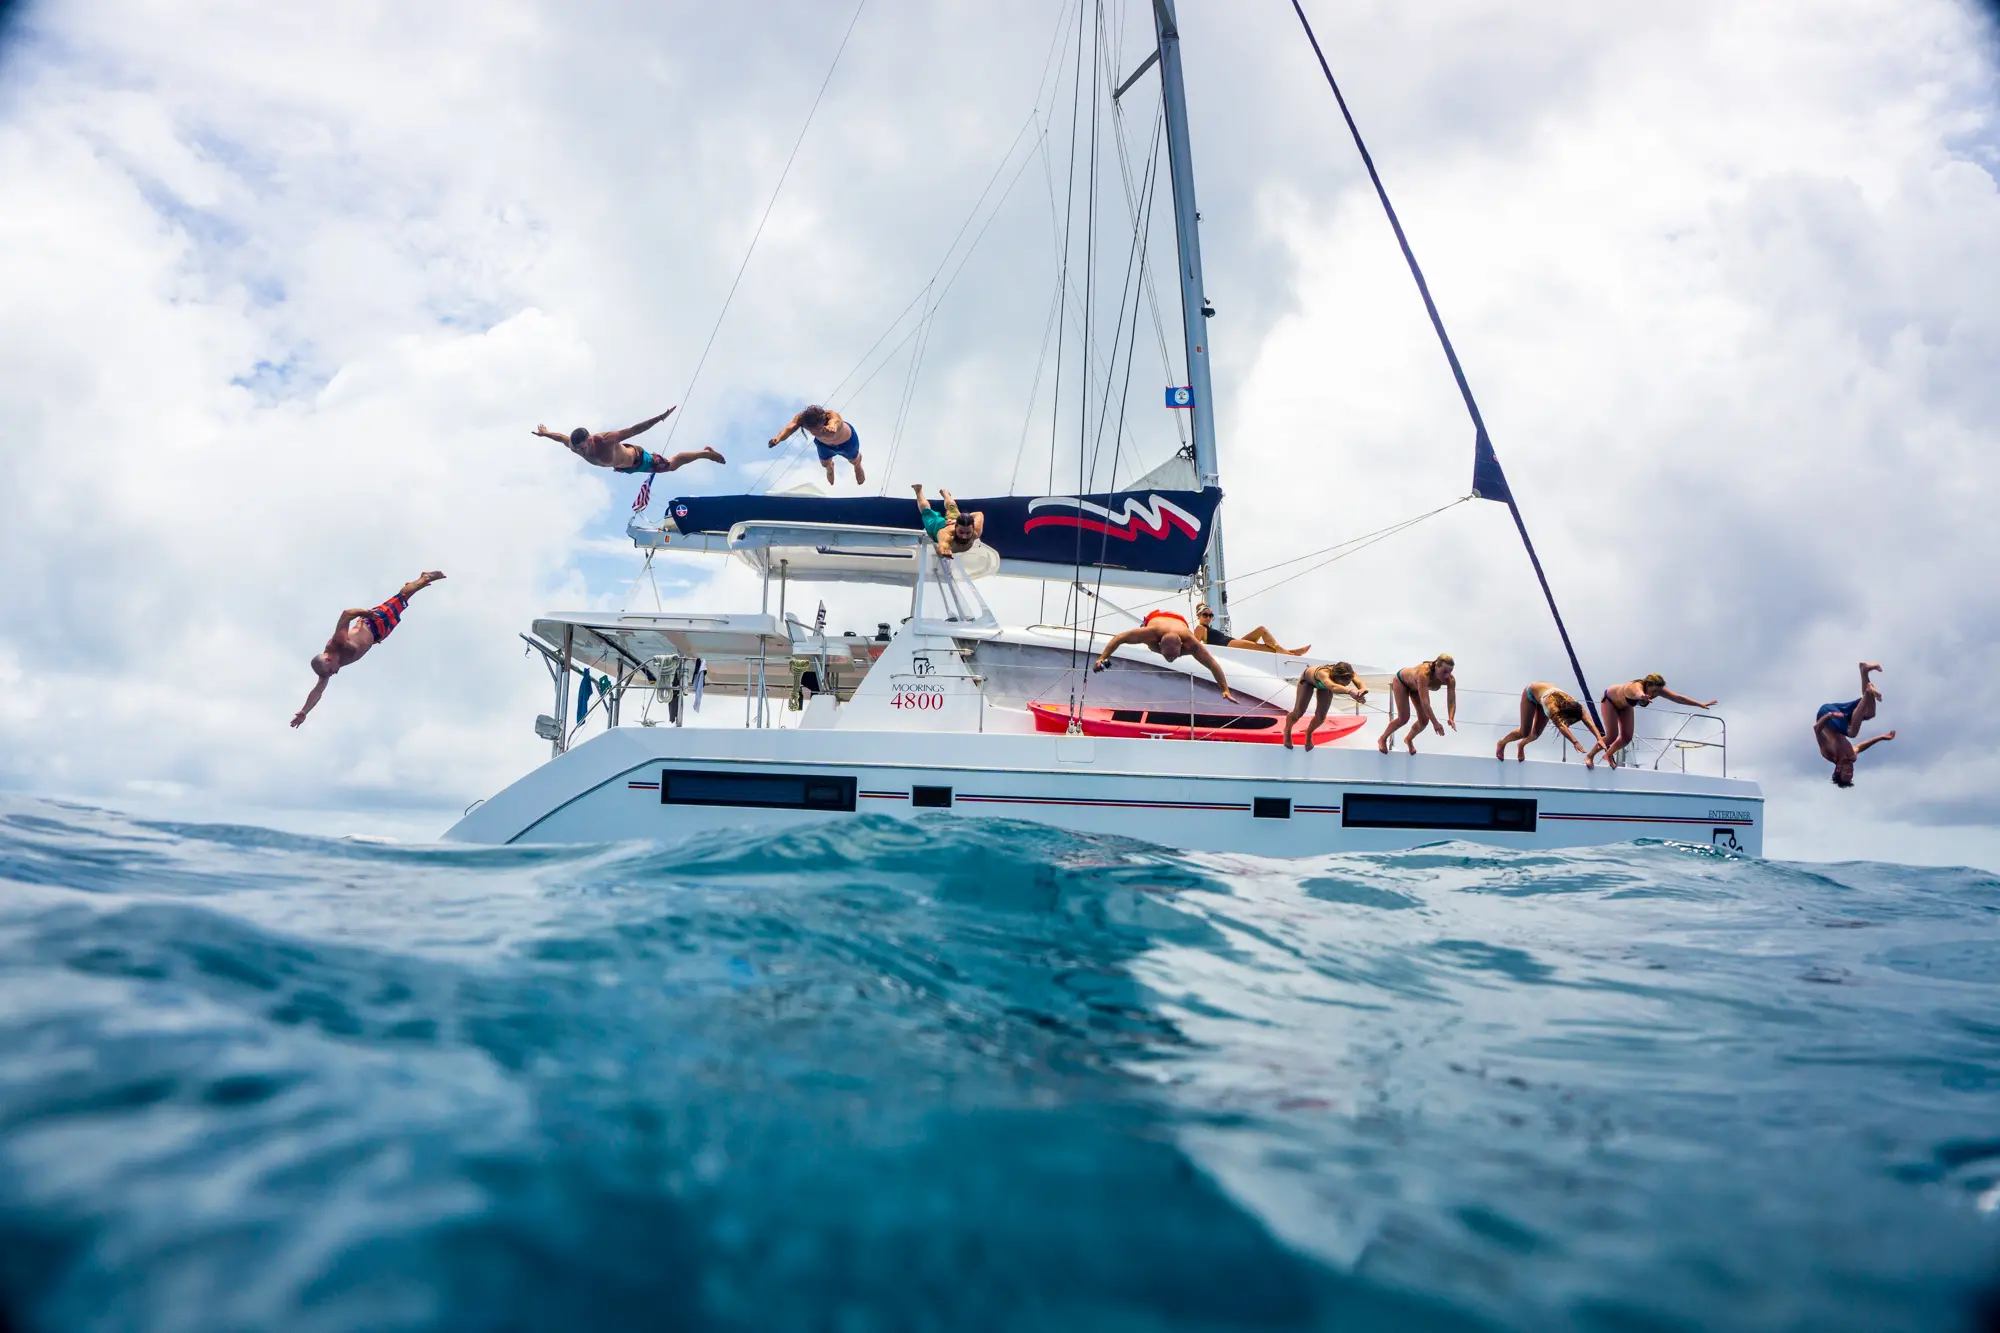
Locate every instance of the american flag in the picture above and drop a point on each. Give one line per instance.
(644, 497)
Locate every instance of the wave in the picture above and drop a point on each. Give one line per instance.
(956, 1074)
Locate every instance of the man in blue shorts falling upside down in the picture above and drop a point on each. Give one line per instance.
(608, 448)
(833, 436)
(357, 631)
(1838, 724)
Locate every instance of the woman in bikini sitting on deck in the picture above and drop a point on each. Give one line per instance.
(1619, 719)
(1413, 686)
(1325, 681)
(1541, 704)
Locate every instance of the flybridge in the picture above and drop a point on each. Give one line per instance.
(1150, 537)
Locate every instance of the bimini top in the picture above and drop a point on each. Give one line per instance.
(1148, 538)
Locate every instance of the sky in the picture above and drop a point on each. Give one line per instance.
(286, 291)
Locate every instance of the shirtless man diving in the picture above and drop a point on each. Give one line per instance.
(1838, 724)
(357, 631)
(609, 448)
(833, 436)
(1168, 635)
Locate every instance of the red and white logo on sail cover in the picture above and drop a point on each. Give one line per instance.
(1155, 517)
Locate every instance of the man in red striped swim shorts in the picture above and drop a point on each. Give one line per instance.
(359, 630)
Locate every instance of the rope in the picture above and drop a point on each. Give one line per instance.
(1488, 481)
(759, 233)
(1352, 545)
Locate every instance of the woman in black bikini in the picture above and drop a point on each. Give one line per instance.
(1325, 681)
(1541, 704)
(1260, 638)
(1413, 686)
(1619, 719)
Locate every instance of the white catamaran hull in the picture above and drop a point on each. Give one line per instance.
(665, 783)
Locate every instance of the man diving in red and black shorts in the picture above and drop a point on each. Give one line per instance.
(359, 630)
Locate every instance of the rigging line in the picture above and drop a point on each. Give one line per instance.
(1482, 443)
(1034, 392)
(1135, 260)
(1347, 542)
(1089, 309)
(945, 259)
(1139, 243)
(759, 233)
(835, 399)
(1062, 273)
(1359, 544)
(1152, 291)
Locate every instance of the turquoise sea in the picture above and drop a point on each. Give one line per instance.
(954, 1075)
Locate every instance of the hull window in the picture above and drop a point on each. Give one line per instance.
(1271, 807)
(764, 791)
(931, 798)
(1496, 814)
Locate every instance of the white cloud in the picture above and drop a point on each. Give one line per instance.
(285, 292)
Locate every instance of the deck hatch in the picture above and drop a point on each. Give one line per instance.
(1494, 814)
(763, 791)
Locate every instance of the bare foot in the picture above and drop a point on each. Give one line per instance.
(1500, 750)
(1298, 652)
(1288, 739)
(432, 576)
(1309, 742)
(714, 455)
(918, 488)
(1871, 666)
(860, 477)
(1412, 744)
(1383, 744)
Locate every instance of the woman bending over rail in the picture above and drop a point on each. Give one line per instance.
(1413, 686)
(1541, 704)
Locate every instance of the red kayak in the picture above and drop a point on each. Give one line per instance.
(1256, 728)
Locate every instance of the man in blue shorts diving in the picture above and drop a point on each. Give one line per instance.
(608, 448)
(1838, 724)
(357, 631)
(832, 434)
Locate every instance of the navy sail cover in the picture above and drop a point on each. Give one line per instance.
(1152, 532)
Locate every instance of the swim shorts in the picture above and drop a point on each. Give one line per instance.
(934, 522)
(851, 451)
(386, 616)
(1840, 715)
(645, 463)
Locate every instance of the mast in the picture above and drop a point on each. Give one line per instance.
(1194, 301)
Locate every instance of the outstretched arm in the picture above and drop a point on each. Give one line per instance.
(1118, 641)
(311, 699)
(620, 436)
(786, 433)
(1683, 699)
(548, 434)
(1874, 740)
(1451, 702)
(1207, 659)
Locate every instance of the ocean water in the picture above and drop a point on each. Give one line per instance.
(957, 1075)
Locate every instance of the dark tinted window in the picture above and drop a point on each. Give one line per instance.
(1498, 813)
(780, 791)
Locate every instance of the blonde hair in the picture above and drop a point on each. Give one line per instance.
(1568, 709)
(1443, 659)
(1656, 680)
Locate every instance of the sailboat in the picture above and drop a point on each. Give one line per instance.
(953, 711)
